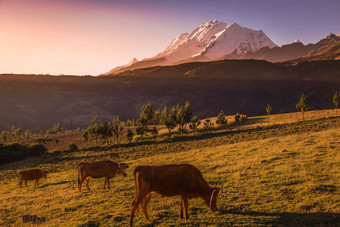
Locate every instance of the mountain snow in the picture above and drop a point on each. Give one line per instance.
(212, 40)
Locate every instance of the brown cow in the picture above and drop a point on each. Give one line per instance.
(32, 174)
(107, 169)
(171, 180)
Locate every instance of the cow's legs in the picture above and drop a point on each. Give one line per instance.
(105, 179)
(36, 182)
(26, 183)
(81, 183)
(20, 183)
(108, 182)
(145, 203)
(142, 190)
(185, 207)
(87, 183)
(181, 208)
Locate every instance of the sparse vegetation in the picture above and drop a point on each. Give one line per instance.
(221, 120)
(302, 105)
(268, 111)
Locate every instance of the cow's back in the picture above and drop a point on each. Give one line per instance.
(99, 169)
(170, 180)
(31, 174)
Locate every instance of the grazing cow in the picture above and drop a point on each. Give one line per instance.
(171, 180)
(32, 174)
(114, 155)
(100, 169)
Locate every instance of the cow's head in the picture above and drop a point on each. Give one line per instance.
(212, 202)
(122, 169)
(44, 173)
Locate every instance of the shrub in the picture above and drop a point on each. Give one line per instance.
(35, 149)
(72, 147)
(14, 147)
(221, 120)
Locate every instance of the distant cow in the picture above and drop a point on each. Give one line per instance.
(32, 174)
(100, 169)
(171, 180)
(114, 155)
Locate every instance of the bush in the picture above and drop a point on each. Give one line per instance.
(72, 147)
(15, 151)
(13, 147)
(35, 149)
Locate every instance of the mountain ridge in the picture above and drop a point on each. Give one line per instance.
(209, 41)
(215, 40)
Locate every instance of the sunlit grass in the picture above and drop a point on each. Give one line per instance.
(284, 179)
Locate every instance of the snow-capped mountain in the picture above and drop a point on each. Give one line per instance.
(212, 40)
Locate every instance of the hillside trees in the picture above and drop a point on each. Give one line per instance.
(117, 128)
(56, 128)
(129, 135)
(302, 105)
(268, 110)
(336, 98)
(194, 123)
(221, 120)
(144, 119)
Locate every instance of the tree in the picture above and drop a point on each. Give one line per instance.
(16, 132)
(144, 120)
(221, 120)
(117, 127)
(170, 123)
(208, 125)
(93, 129)
(183, 116)
(147, 112)
(194, 123)
(187, 114)
(5, 135)
(56, 128)
(237, 118)
(164, 115)
(105, 131)
(85, 135)
(27, 134)
(129, 135)
(302, 105)
(336, 98)
(268, 110)
(180, 119)
(156, 117)
(130, 123)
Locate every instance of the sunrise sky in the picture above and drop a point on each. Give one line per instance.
(83, 37)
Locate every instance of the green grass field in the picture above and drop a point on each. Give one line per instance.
(285, 174)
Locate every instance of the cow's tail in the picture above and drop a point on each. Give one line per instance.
(136, 175)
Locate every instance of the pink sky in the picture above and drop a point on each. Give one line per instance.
(82, 37)
(39, 37)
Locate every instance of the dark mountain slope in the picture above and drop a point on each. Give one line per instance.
(246, 86)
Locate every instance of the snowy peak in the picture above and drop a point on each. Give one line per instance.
(212, 40)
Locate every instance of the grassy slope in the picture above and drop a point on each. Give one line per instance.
(265, 185)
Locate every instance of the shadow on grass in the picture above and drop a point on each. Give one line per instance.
(57, 183)
(289, 218)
